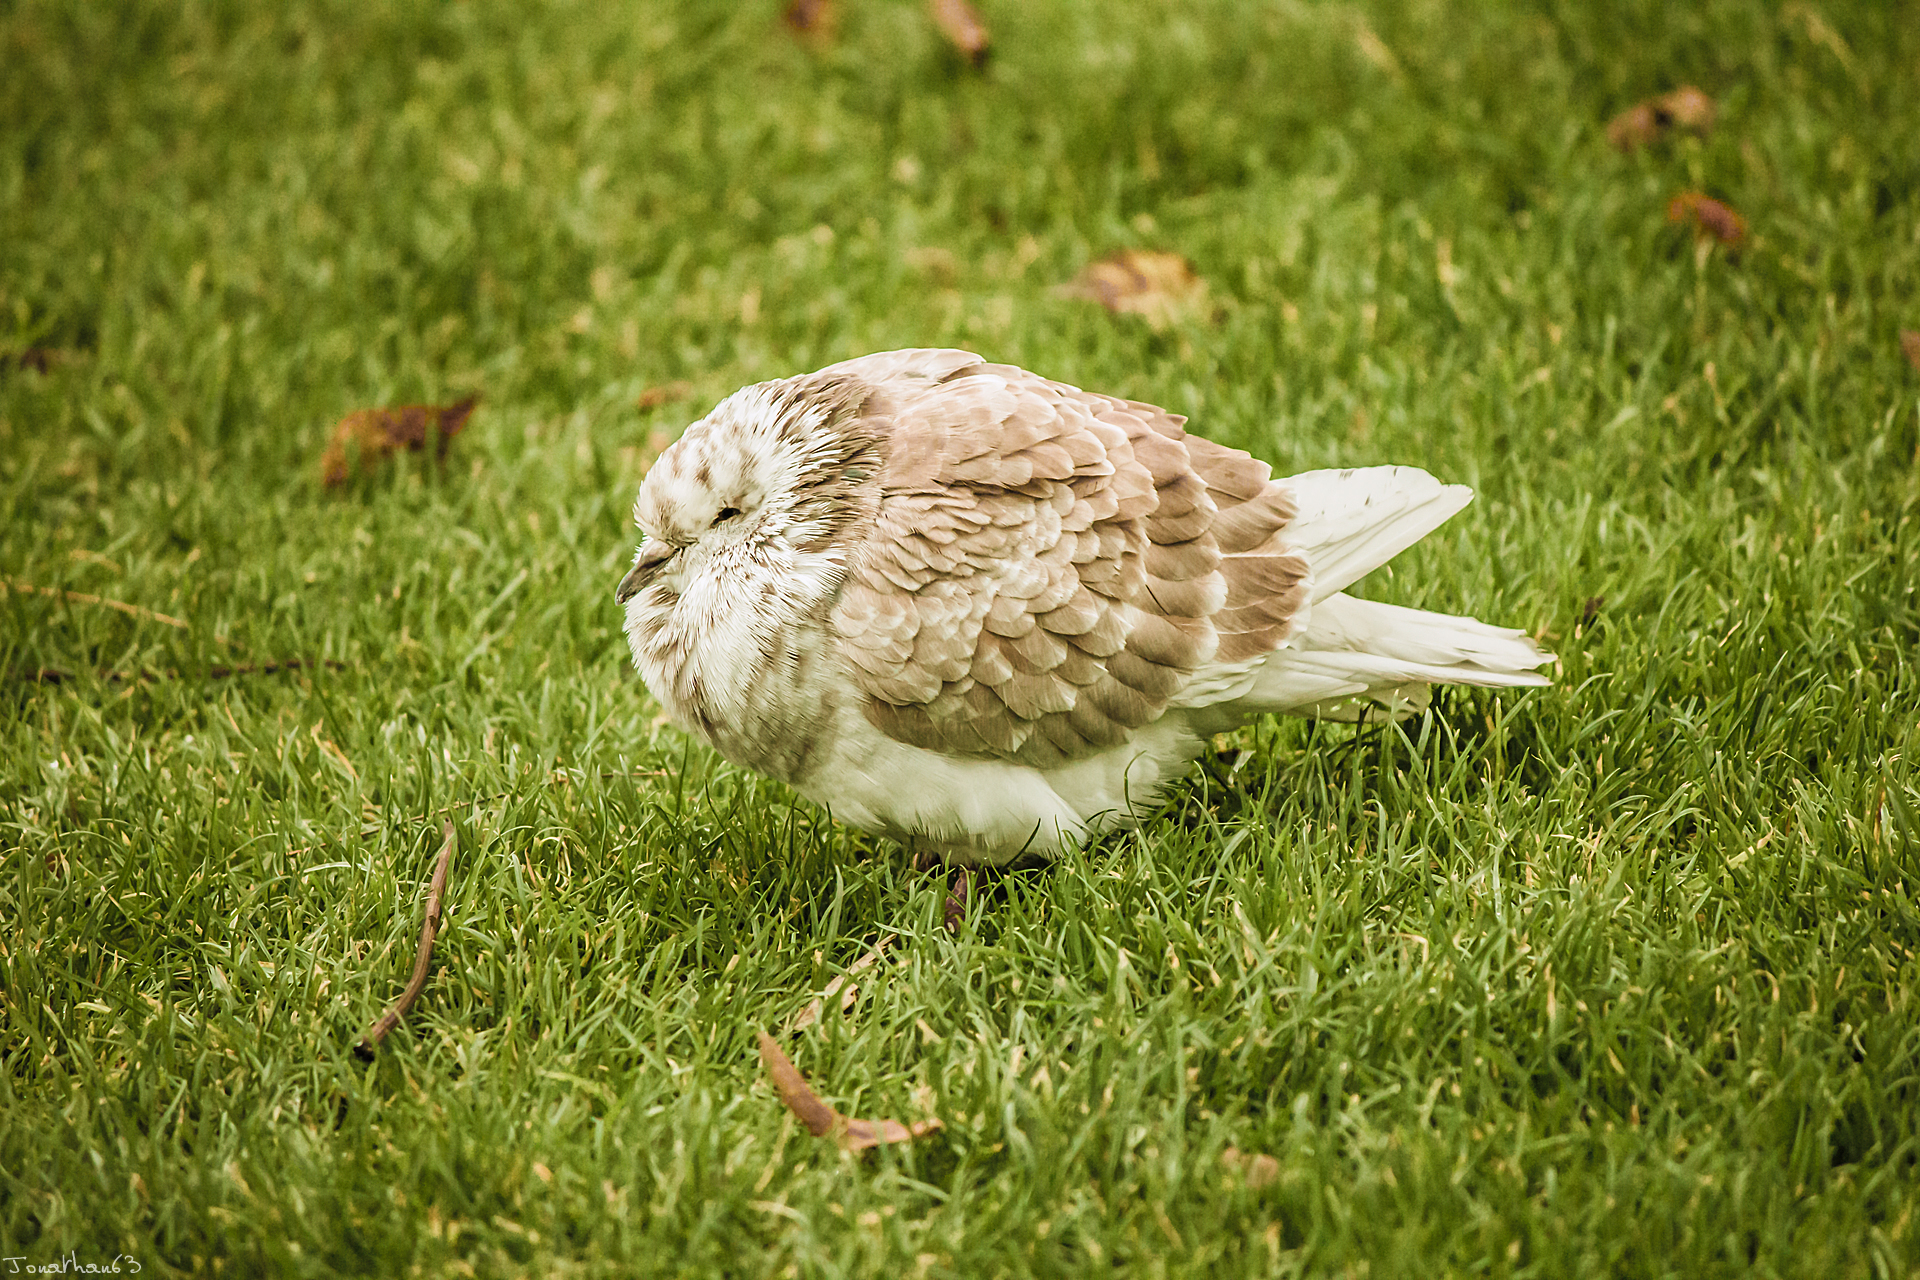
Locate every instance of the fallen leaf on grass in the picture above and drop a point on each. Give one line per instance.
(1688, 108)
(1161, 288)
(1634, 127)
(1710, 219)
(1255, 1170)
(815, 18)
(939, 265)
(39, 359)
(822, 1120)
(666, 393)
(1684, 108)
(962, 26)
(365, 436)
(1910, 343)
(811, 1014)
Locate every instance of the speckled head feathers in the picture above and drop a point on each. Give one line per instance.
(767, 453)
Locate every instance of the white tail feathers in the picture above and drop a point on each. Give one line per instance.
(1417, 636)
(1352, 522)
(1355, 658)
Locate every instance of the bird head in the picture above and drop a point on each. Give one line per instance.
(762, 494)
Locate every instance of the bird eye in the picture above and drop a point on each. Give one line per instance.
(726, 514)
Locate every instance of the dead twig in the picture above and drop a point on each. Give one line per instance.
(822, 1120)
(423, 957)
(55, 675)
(87, 597)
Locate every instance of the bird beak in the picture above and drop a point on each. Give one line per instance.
(653, 554)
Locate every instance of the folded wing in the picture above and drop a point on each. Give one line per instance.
(1049, 567)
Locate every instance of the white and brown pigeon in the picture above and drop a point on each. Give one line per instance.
(988, 614)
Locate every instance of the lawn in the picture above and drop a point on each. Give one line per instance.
(1612, 978)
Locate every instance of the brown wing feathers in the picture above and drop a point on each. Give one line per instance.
(1049, 567)
(1267, 583)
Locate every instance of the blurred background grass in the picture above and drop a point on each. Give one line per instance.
(1612, 978)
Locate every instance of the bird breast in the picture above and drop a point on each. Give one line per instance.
(736, 650)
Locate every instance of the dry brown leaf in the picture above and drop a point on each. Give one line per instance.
(822, 1120)
(1688, 108)
(666, 393)
(936, 263)
(1634, 127)
(1710, 219)
(1648, 121)
(815, 18)
(811, 1014)
(1910, 343)
(962, 26)
(1256, 1170)
(1161, 288)
(40, 359)
(365, 436)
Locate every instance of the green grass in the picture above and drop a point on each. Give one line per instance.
(1616, 978)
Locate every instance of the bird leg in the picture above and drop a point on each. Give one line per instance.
(959, 884)
(959, 894)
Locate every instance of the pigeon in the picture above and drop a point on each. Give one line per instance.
(992, 616)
